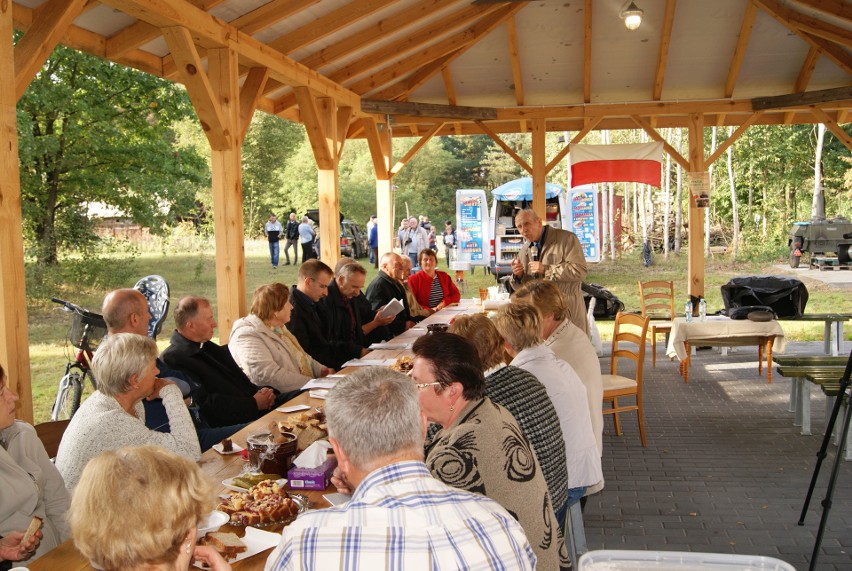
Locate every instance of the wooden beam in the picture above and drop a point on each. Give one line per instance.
(514, 58)
(665, 42)
(832, 51)
(509, 151)
(344, 115)
(804, 77)
(450, 88)
(141, 32)
(740, 50)
(539, 158)
(14, 341)
(269, 14)
(325, 25)
(403, 89)
(226, 168)
(51, 22)
(328, 184)
(587, 128)
(732, 139)
(645, 126)
(839, 8)
(695, 264)
(454, 45)
(587, 51)
(832, 126)
(313, 127)
(198, 87)
(377, 143)
(820, 29)
(415, 149)
(250, 95)
(427, 110)
(170, 13)
(803, 99)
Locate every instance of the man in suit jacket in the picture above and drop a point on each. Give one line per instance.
(229, 396)
(555, 255)
(385, 287)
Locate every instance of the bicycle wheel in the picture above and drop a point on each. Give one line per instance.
(68, 396)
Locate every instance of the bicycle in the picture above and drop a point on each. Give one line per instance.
(86, 332)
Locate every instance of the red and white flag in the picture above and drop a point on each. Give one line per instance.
(638, 162)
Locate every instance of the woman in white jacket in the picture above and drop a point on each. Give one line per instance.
(268, 353)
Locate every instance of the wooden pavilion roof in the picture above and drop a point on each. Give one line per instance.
(463, 66)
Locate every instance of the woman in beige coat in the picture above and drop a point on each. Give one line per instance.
(266, 350)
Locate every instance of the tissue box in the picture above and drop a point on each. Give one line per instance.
(312, 478)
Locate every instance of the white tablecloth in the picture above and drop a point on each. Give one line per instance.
(718, 331)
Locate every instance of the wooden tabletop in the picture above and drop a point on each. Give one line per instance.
(221, 467)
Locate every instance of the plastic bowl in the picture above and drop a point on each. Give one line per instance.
(212, 522)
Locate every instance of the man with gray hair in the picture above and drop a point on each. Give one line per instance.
(399, 516)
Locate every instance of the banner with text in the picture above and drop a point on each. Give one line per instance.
(472, 227)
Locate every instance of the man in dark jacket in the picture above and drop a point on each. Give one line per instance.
(385, 287)
(292, 235)
(229, 396)
(305, 322)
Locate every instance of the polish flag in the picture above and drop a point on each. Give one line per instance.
(638, 162)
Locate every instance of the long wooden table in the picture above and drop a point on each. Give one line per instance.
(221, 467)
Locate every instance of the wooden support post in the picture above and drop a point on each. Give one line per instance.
(379, 139)
(696, 215)
(14, 342)
(327, 184)
(226, 166)
(539, 161)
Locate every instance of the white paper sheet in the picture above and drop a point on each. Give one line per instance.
(320, 384)
(369, 362)
(386, 345)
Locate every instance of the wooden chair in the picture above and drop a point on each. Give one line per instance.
(50, 434)
(615, 385)
(658, 304)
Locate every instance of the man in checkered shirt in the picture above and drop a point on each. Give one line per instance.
(399, 517)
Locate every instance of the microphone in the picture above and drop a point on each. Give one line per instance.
(533, 252)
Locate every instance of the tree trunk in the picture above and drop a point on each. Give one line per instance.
(678, 229)
(605, 235)
(713, 140)
(818, 205)
(667, 197)
(734, 207)
(612, 244)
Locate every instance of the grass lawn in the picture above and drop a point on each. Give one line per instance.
(195, 274)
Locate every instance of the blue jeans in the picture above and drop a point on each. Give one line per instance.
(273, 253)
(209, 435)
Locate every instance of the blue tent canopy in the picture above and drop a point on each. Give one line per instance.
(522, 189)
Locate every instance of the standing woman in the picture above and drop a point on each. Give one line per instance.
(449, 240)
(30, 486)
(306, 238)
(432, 288)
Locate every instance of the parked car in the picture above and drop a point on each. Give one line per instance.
(353, 239)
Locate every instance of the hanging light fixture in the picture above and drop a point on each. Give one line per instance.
(632, 16)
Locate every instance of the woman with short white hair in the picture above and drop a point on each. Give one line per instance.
(113, 416)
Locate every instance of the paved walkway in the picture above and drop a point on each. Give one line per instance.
(725, 470)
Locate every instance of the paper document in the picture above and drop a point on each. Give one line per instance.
(320, 384)
(393, 307)
(386, 345)
(369, 362)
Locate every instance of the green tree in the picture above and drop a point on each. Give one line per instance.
(93, 131)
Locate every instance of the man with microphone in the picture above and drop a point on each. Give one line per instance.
(552, 254)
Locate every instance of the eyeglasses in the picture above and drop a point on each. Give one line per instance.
(421, 386)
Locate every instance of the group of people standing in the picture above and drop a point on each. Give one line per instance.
(301, 233)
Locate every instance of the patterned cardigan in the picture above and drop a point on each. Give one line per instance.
(484, 451)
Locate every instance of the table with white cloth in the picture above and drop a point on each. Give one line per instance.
(719, 331)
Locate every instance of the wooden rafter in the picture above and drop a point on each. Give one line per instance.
(378, 145)
(450, 88)
(587, 128)
(831, 124)
(509, 151)
(587, 51)
(732, 139)
(783, 14)
(325, 25)
(416, 148)
(250, 95)
(515, 59)
(313, 127)
(401, 89)
(817, 27)
(803, 99)
(344, 116)
(198, 86)
(269, 14)
(740, 51)
(646, 126)
(169, 13)
(839, 8)
(804, 77)
(51, 22)
(141, 32)
(665, 42)
(427, 110)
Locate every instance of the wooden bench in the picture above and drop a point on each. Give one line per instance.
(832, 331)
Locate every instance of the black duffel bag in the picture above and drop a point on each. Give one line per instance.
(786, 297)
(607, 305)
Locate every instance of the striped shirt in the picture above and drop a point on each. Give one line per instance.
(436, 294)
(401, 518)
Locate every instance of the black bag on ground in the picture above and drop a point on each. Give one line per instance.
(786, 297)
(607, 305)
(743, 312)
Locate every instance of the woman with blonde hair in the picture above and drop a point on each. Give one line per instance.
(114, 525)
(570, 344)
(266, 350)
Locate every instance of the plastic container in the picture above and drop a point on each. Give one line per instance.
(618, 560)
(702, 310)
(688, 311)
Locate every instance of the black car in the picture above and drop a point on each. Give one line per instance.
(353, 240)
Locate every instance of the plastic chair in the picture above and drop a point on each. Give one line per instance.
(615, 385)
(156, 291)
(657, 300)
(50, 434)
